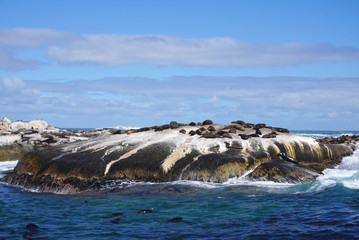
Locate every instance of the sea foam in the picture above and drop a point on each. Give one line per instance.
(345, 174)
(7, 166)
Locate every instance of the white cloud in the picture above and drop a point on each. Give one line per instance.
(19, 39)
(13, 83)
(16, 95)
(32, 37)
(214, 99)
(114, 50)
(12, 87)
(162, 50)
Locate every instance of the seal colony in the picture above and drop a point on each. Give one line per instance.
(72, 161)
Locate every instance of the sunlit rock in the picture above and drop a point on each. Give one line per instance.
(202, 152)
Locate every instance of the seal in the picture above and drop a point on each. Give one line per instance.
(145, 211)
(287, 158)
(244, 136)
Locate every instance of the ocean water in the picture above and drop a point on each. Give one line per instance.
(325, 209)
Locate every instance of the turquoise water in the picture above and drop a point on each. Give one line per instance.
(325, 209)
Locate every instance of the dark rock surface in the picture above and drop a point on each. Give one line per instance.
(348, 139)
(13, 152)
(277, 171)
(176, 219)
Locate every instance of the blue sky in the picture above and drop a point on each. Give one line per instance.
(292, 64)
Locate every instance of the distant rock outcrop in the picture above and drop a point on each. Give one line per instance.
(18, 138)
(348, 139)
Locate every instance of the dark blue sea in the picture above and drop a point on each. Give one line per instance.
(325, 209)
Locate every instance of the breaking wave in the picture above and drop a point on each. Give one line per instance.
(345, 174)
(7, 166)
(323, 134)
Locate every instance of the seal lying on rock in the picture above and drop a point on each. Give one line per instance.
(168, 155)
(287, 158)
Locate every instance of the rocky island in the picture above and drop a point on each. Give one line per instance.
(65, 161)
